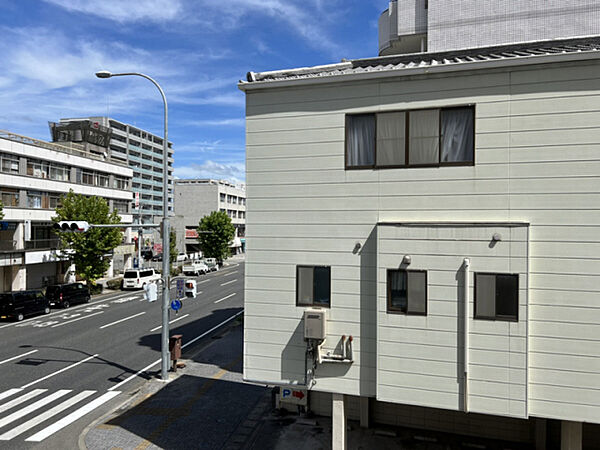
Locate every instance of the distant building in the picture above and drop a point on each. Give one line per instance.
(33, 177)
(141, 150)
(197, 198)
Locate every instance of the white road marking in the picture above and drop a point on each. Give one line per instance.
(122, 320)
(203, 281)
(30, 408)
(149, 366)
(75, 320)
(229, 282)
(17, 357)
(45, 416)
(230, 273)
(225, 298)
(21, 399)
(172, 321)
(59, 371)
(65, 421)
(9, 393)
(124, 299)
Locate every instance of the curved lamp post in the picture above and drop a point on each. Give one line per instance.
(166, 231)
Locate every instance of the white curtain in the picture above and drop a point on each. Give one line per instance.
(424, 134)
(398, 288)
(391, 143)
(361, 140)
(457, 135)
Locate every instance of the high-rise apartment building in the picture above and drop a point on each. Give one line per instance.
(141, 150)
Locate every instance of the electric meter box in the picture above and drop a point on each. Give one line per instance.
(314, 324)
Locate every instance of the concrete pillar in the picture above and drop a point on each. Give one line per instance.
(23, 198)
(127, 261)
(571, 435)
(365, 416)
(22, 165)
(338, 422)
(19, 278)
(540, 434)
(111, 269)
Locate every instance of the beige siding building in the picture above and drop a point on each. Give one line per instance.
(393, 192)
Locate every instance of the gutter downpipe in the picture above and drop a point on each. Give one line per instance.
(467, 269)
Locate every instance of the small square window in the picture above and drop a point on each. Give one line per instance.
(407, 291)
(360, 141)
(313, 286)
(497, 296)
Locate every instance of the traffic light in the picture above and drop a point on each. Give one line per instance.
(72, 226)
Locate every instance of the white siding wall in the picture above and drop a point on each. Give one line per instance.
(537, 161)
(420, 358)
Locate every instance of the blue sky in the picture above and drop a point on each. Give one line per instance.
(196, 49)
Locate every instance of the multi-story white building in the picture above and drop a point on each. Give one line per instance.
(196, 198)
(142, 151)
(33, 177)
(442, 210)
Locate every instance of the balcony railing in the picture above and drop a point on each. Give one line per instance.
(41, 244)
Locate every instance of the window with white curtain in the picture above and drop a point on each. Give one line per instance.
(360, 141)
(418, 138)
(407, 291)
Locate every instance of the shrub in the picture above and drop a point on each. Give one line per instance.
(95, 289)
(114, 284)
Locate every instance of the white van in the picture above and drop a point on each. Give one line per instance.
(137, 279)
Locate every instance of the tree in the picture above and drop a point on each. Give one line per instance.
(172, 246)
(88, 249)
(215, 232)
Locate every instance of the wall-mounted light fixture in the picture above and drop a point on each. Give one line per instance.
(407, 259)
(497, 237)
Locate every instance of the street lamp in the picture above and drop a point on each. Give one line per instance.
(166, 232)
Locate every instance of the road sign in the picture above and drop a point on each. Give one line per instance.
(293, 395)
(180, 286)
(137, 200)
(176, 305)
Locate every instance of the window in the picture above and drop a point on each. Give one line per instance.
(222, 197)
(122, 206)
(313, 286)
(87, 177)
(59, 173)
(34, 200)
(418, 138)
(407, 291)
(121, 183)
(9, 163)
(9, 197)
(38, 168)
(497, 296)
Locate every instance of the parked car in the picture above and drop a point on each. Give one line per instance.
(181, 257)
(157, 257)
(17, 305)
(212, 264)
(195, 268)
(65, 295)
(138, 278)
(147, 255)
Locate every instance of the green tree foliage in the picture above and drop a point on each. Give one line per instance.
(88, 249)
(172, 246)
(215, 232)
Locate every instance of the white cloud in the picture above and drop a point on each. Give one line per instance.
(234, 172)
(125, 11)
(233, 122)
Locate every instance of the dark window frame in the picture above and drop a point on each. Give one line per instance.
(497, 317)
(407, 164)
(313, 304)
(393, 310)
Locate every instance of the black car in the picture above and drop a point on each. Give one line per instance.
(65, 295)
(17, 305)
(157, 257)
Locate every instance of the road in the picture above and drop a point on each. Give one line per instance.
(59, 372)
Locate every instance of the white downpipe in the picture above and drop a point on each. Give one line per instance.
(467, 266)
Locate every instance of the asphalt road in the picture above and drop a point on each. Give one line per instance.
(59, 372)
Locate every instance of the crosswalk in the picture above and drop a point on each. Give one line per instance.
(31, 411)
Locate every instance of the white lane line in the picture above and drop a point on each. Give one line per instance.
(45, 416)
(172, 321)
(59, 371)
(229, 273)
(21, 399)
(75, 320)
(122, 320)
(225, 298)
(73, 308)
(67, 420)
(30, 408)
(203, 281)
(9, 393)
(212, 329)
(229, 282)
(149, 366)
(17, 357)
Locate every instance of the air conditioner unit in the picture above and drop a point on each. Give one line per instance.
(314, 324)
